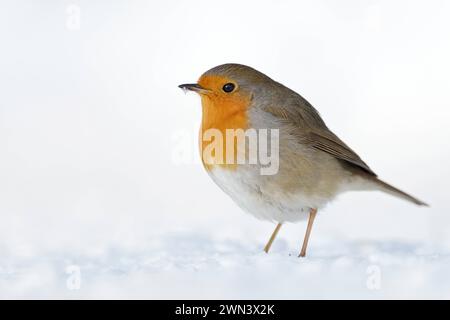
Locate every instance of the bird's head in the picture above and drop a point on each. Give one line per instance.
(227, 92)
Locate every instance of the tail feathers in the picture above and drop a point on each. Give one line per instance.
(383, 186)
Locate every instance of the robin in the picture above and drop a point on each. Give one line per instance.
(314, 164)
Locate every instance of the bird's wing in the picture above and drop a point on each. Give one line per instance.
(312, 130)
(330, 143)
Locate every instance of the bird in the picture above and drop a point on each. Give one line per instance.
(314, 165)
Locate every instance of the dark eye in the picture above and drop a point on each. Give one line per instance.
(228, 87)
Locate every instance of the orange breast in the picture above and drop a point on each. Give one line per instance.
(222, 112)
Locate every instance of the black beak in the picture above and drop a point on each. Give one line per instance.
(192, 87)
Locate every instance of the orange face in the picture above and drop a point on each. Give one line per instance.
(224, 107)
(221, 109)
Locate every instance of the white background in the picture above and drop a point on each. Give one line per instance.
(90, 125)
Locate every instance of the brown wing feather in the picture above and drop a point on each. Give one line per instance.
(330, 143)
(313, 130)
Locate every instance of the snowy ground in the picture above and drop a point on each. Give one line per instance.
(101, 193)
(184, 267)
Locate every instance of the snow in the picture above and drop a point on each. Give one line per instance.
(101, 190)
(187, 267)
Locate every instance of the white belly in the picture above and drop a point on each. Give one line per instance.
(260, 196)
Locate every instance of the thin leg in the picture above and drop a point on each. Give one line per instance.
(272, 237)
(312, 215)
